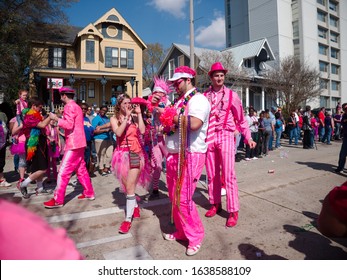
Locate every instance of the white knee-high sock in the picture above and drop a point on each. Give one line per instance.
(131, 204)
(26, 182)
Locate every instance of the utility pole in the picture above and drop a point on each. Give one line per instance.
(191, 21)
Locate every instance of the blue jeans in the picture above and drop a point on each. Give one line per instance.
(278, 137)
(343, 154)
(337, 131)
(321, 132)
(293, 133)
(327, 135)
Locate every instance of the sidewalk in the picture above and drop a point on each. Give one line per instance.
(276, 220)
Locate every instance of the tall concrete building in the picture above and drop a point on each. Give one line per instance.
(314, 30)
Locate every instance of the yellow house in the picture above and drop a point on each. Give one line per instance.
(102, 59)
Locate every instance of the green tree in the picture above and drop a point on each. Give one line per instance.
(152, 59)
(295, 82)
(21, 23)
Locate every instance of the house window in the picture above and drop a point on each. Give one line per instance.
(130, 59)
(334, 37)
(334, 53)
(57, 57)
(323, 84)
(171, 67)
(333, 21)
(334, 69)
(248, 63)
(322, 33)
(123, 58)
(322, 2)
(181, 60)
(335, 85)
(114, 57)
(90, 51)
(323, 66)
(111, 57)
(321, 16)
(91, 90)
(323, 49)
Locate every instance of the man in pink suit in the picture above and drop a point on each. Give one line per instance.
(73, 159)
(225, 118)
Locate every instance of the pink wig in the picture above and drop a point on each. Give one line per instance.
(161, 85)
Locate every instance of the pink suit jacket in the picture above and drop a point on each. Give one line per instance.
(72, 123)
(235, 117)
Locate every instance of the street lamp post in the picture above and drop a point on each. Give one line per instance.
(103, 81)
(132, 80)
(137, 88)
(72, 80)
(51, 95)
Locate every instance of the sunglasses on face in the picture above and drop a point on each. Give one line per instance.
(83, 108)
(178, 82)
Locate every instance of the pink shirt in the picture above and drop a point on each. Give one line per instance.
(235, 118)
(73, 125)
(21, 106)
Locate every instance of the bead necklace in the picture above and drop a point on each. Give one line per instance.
(185, 102)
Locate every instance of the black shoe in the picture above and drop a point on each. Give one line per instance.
(154, 194)
(339, 171)
(24, 191)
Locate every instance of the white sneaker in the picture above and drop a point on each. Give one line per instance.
(223, 192)
(254, 158)
(247, 159)
(4, 183)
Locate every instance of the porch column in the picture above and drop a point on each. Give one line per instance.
(262, 99)
(103, 82)
(247, 97)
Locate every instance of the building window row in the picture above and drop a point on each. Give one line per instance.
(324, 67)
(322, 16)
(323, 33)
(324, 50)
(333, 5)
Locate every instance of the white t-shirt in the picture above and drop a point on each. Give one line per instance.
(200, 108)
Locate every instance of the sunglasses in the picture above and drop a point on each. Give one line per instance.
(178, 82)
(83, 108)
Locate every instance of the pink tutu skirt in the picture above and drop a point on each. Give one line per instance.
(121, 165)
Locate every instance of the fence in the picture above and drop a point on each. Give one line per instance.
(61, 107)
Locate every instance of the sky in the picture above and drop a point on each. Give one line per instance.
(160, 21)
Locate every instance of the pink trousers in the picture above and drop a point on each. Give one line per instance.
(187, 220)
(158, 153)
(73, 160)
(220, 157)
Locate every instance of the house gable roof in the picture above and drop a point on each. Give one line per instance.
(90, 29)
(250, 50)
(114, 16)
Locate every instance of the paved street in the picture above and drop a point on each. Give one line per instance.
(276, 220)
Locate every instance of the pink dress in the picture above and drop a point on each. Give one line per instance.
(127, 143)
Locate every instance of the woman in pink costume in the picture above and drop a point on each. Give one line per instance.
(128, 160)
(157, 100)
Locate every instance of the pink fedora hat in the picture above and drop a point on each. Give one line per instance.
(217, 67)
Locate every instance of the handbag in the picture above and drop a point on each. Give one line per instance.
(17, 148)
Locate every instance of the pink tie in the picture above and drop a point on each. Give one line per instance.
(212, 121)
